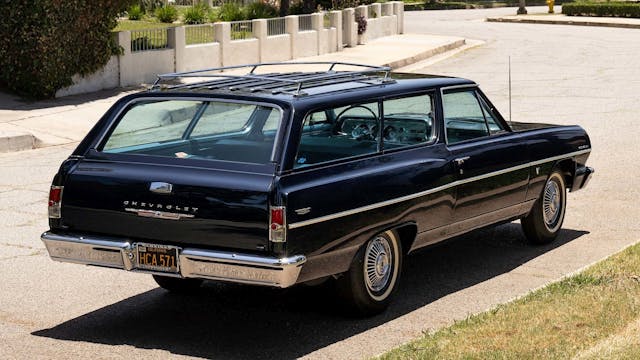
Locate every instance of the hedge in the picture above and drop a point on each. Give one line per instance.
(45, 42)
(615, 9)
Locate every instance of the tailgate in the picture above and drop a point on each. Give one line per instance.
(185, 206)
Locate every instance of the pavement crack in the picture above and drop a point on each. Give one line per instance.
(34, 253)
(18, 246)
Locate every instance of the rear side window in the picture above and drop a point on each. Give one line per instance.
(214, 130)
(408, 121)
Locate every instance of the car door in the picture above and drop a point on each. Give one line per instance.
(489, 161)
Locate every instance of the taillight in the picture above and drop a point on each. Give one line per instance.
(55, 201)
(277, 224)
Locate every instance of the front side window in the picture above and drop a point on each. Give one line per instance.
(463, 117)
(213, 130)
(339, 133)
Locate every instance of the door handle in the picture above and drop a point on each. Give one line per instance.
(459, 162)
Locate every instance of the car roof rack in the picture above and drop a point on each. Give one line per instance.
(291, 83)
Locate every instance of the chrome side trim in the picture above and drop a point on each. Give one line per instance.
(300, 224)
(193, 263)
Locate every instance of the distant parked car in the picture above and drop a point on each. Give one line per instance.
(285, 178)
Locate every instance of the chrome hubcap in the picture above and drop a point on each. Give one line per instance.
(378, 263)
(551, 203)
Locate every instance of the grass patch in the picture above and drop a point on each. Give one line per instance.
(572, 317)
(127, 25)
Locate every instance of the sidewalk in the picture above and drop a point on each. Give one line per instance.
(25, 125)
(560, 19)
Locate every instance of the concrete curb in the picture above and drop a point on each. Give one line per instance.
(426, 54)
(16, 141)
(565, 22)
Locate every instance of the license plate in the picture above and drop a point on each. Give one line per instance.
(162, 258)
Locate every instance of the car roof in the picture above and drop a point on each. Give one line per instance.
(301, 87)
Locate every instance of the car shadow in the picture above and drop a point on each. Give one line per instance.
(244, 322)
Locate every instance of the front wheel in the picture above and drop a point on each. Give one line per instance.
(373, 275)
(177, 285)
(544, 221)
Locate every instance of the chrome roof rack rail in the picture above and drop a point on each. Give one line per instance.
(286, 83)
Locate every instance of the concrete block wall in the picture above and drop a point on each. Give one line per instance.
(135, 68)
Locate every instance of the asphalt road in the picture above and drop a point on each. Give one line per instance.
(561, 74)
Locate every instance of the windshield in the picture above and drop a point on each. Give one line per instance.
(214, 130)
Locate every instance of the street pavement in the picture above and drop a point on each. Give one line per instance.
(560, 74)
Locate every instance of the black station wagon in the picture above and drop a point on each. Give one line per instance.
(277, 179)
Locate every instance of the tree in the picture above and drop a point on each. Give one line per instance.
(284, 7)
(45, 42)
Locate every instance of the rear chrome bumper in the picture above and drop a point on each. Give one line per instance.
(194, 263)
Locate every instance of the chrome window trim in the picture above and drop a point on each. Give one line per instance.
(117, 117)
(300, 224)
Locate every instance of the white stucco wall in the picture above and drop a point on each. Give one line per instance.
(201, 56)
(143, 67)
(240, 52)
(134, 68)
(305, 44)
(106, 78)
(276, 48)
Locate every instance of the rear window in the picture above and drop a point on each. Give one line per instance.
(214, 130)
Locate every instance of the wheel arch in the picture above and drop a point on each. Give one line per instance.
(407, 233)
(568, 169)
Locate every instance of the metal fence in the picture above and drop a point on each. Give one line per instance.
(199, 34)
(241, 30)
(151, 39)
(305, 23)
(276, 26)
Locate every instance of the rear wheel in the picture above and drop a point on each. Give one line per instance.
(373, 275)
(177, 285)
(543, 223)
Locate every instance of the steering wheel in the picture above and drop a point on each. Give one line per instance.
(340, 120)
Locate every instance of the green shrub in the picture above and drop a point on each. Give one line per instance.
(196, 14)
(260, 10)
(338, 4)
(45, 42)
(231, 12)
(300, 8)
(151, 5)
(135, 12)
(615, 9)
(213, 15)
(433, 5)
(414, 7)
(167, 14)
